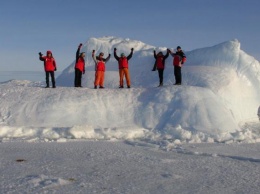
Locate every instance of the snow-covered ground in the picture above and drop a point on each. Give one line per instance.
(128, 167)
(201, 137)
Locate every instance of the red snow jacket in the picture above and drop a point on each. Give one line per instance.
(80, 64)
(49, 62)
(178, 58)
(101, 66)
(123, 62)
(160, 60)
(100, 62)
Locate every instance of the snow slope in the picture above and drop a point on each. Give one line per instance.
(218, 96)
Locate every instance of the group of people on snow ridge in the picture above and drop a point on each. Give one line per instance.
(100, 66)
(178, 60)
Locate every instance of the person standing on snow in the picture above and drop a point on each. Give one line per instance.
(79, 67)
(159, 64)
(49, 67)
(100, 69)
(123, 68)
(178, 60)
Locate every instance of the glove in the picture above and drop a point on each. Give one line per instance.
(55, 69)
(132, 49)
(40, 53)
(80, 45)
(109, 55)
(114, 49)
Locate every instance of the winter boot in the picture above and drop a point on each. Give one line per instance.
(160, 85)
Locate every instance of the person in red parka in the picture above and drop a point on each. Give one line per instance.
(79, 67)
(49, 67)
(159, 64)
(123, 68)
(100, 67)
(178, 60)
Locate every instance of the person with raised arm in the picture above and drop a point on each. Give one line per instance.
(49, 67)
(100, 68)
(123, 68)
(160, 64)
(79, 66)
(178, 60)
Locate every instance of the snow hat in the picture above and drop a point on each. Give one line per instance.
(178, 47)
(122, 54)
(48, 52)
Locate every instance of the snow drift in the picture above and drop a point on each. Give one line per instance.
(218, 97)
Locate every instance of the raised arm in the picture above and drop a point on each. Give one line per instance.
(170, 52)
(131, 54)
(41, 56)
(115, 55)
(166, 56)
(78, 52)
(154, 54)
(93, 56)
(106, 60)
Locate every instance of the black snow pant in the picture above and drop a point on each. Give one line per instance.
(47, 74)
(177, 74)
(78, 76)
(160, 73)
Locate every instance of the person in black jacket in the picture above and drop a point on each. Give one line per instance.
(160, 64)
(178, 60)
(79, 67)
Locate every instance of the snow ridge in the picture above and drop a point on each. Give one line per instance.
(217, 102)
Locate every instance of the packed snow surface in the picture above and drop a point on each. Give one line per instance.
(128, 168)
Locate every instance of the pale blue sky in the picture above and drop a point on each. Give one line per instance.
(30, 26)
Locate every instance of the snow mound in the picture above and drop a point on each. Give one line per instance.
(217, 102)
